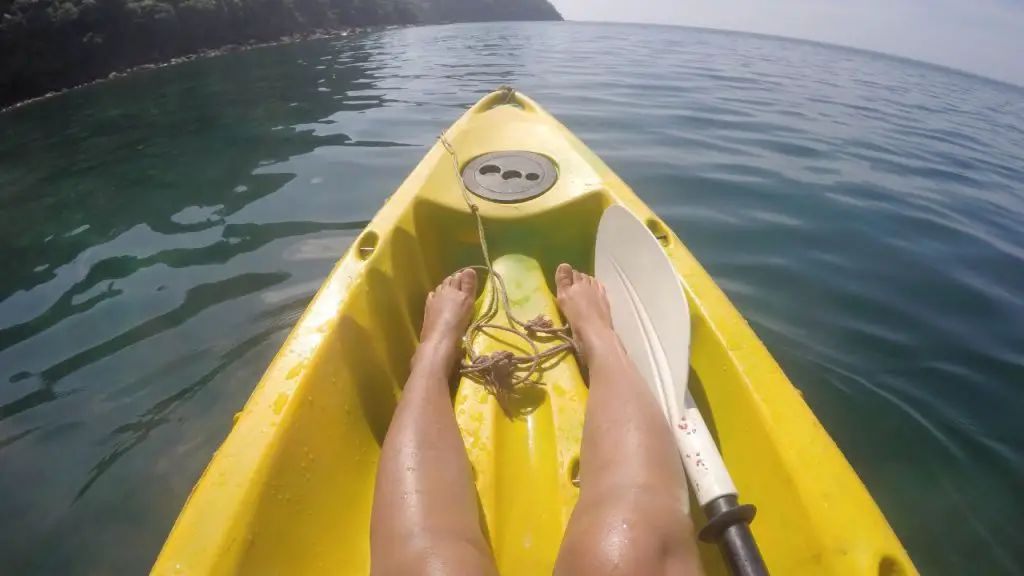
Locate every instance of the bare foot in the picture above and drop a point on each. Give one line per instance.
(449, 310)
(583, 301)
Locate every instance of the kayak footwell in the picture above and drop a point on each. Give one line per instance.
(523, 449)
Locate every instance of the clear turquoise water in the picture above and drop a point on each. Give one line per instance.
(163, 231)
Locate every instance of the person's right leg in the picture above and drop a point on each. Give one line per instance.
(629, 518)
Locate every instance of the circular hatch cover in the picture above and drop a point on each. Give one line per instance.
(509, 176)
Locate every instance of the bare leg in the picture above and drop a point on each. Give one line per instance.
(629, 518)
(425, 518)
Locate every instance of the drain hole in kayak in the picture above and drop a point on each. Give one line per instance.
(511, 174)
(574, 472)
(533, 176)
(659, 232)
(889, 567)
(366, 244)
(489, 169)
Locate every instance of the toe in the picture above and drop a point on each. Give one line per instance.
(451, 281)
(563, 276)
(467, 281)
(576, 276)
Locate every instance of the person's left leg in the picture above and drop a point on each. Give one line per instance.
(425, 517)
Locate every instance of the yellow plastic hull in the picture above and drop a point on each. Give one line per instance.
(290, 490)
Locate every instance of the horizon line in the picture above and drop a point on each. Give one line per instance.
(946, 67)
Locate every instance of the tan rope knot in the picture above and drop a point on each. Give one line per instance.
(496, 369)
(499, 361)
(539, 324)
(509, 91)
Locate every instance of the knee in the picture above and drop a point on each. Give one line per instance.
(630, 544)
(627, 547)
(431, 558)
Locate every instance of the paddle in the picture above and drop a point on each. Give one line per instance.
(652, 317)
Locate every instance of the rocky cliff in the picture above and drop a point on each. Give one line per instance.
(48, 45)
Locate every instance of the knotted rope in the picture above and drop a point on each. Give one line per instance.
(499, 371)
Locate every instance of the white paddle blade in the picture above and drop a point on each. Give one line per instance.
(649, 309)
(652, 318)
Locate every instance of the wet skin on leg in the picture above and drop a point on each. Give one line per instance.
(629, 518)
(425, 518)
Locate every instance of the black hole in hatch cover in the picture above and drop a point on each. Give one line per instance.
(511, 174)
(532, 176)
(489, 169)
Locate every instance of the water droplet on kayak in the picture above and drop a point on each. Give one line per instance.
(279, 403)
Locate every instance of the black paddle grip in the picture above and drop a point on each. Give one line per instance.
(729, 526)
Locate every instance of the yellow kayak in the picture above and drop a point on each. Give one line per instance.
(290, 490)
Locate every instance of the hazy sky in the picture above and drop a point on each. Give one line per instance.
(982, 36)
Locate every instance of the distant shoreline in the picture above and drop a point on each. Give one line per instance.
(209, 52)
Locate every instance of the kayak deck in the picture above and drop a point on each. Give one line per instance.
(291, 488)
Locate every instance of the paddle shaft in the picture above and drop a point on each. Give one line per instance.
(728, 522)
